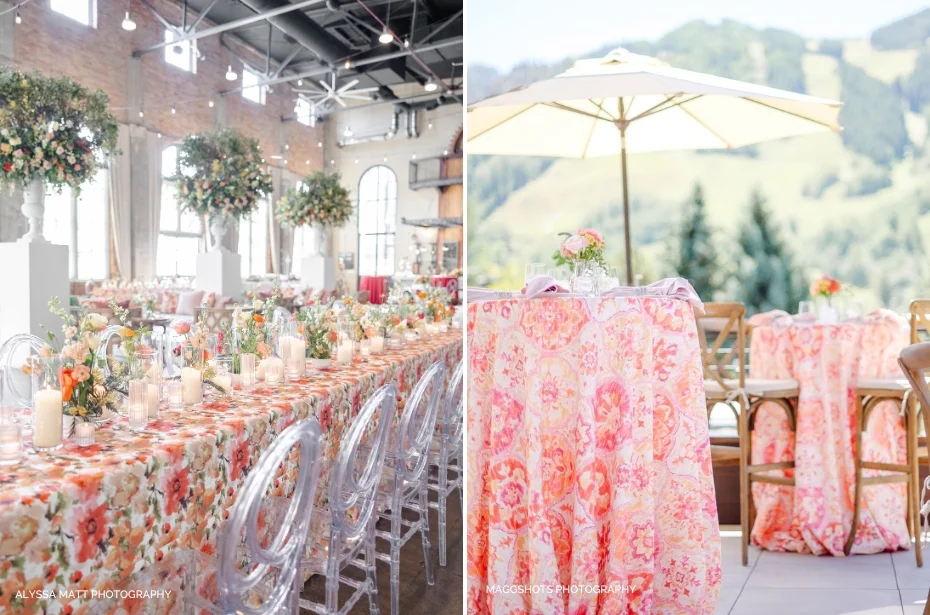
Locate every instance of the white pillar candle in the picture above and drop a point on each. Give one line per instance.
(11, 443)
(224, 382)
(46, 427)
(298, 355)
(344, 352)
(260, 370)
(191, 386)
(377, 344)
(286, 342)
(365, 348)
(274, 370)
(153, 392)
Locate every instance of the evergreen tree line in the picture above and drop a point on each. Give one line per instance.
(757, 268)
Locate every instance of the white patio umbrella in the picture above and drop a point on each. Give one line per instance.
(631, 103)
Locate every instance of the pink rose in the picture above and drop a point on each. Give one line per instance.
(574, 245)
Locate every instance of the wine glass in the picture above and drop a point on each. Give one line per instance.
(805, 307)
(533, 270)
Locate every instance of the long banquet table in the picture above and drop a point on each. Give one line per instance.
(590, 489)
(79, 520)
(827, 360)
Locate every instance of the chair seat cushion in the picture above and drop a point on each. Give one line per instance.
(755, 387)
(883, 384)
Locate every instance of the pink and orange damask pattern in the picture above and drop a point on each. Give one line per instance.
(827, 359)
(590, 487)
(87, 518)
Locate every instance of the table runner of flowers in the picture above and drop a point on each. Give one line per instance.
(590, 488)
(82, 519)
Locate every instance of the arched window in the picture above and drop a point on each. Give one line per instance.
(377, 221)
(180, 236)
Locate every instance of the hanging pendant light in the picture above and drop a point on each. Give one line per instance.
(231, 74)
(128, 24)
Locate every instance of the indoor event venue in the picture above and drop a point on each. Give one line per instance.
(230, 330)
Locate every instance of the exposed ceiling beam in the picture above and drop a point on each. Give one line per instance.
(232, 25)
(409, 99)
(373, 60)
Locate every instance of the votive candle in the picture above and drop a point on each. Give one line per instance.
(377, 344)
(84, 433)
(138, 404)
(175, 394)
(46, 433)
(11, 443)
(344, 351)
(247, 370)
(274, 370)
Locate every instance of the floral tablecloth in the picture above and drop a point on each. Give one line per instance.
(827, 359)
(590, 488)
(79, 520)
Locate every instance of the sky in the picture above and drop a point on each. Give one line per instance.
(502, 33)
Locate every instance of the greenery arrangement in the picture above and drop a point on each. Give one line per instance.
(52, 129)
(249, 331)
(319, 198)
(222, 174)
(318, 325)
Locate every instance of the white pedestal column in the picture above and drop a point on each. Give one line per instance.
(219, 272)
(33, 273)
(318, 272)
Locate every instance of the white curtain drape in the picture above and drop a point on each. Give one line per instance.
(274, 231)
(120, 202)
(153, 142)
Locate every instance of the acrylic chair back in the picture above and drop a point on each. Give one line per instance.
(722, 335)
(281, 557)
(355, 481)
(453, 408)
(417, 425)
(915, 362)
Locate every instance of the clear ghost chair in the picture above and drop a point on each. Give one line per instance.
(405, 476)
(13, 354)
(446, 448)
(271, 581)
(346, 535)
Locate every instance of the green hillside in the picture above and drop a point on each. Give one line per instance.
(855, 205)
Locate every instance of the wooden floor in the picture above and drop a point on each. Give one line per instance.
(416, 597)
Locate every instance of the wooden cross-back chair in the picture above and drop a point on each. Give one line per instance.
(870, 392)
(725, 382)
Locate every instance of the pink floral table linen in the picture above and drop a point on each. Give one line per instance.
(827, 359)
(590, 488)
(84, 519)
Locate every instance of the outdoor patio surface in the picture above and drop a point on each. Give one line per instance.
(796, 584)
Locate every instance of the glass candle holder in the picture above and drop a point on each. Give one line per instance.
(11, 439)
(48, 405)
(84, 433)
(247, 370)
(223, 377)
(444, 327)
(191, 374)
(344, 351)
(175, 394)
(377, 342)
(138, 409)
(274, 370)
(364, 349)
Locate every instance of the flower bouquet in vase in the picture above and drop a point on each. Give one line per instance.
(824, 291)
(583, 253)
(320, 328)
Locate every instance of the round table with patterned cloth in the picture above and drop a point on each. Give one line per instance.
(377, 287)
(827, 359)
(590, 488)
(77, 519)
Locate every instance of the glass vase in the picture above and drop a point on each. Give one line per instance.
(48, 405)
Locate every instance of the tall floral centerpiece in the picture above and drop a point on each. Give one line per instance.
(319, 201)
(222, 177)
(53, 131)
(320, 327)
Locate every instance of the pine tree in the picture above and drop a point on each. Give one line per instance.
(695, 257)
(768, 279)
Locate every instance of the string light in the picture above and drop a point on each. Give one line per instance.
(430, 126)
(287, 146)
(300, 82)
(19, 18)
(173, 110)
(141, 114)
(320, 144)
(211, 103)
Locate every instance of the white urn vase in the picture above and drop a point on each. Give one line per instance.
(34, 209)
(319, 240)
(219, 226)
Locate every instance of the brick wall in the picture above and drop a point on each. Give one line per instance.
(101, 58)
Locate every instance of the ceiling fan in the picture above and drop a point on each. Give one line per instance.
(336, 95)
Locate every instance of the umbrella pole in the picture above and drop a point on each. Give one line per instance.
(626, 205)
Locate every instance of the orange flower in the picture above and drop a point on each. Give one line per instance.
(258, 318)
(126, 332)
(834, 286)
(333, 336)
(67, 383)
(421, 294)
